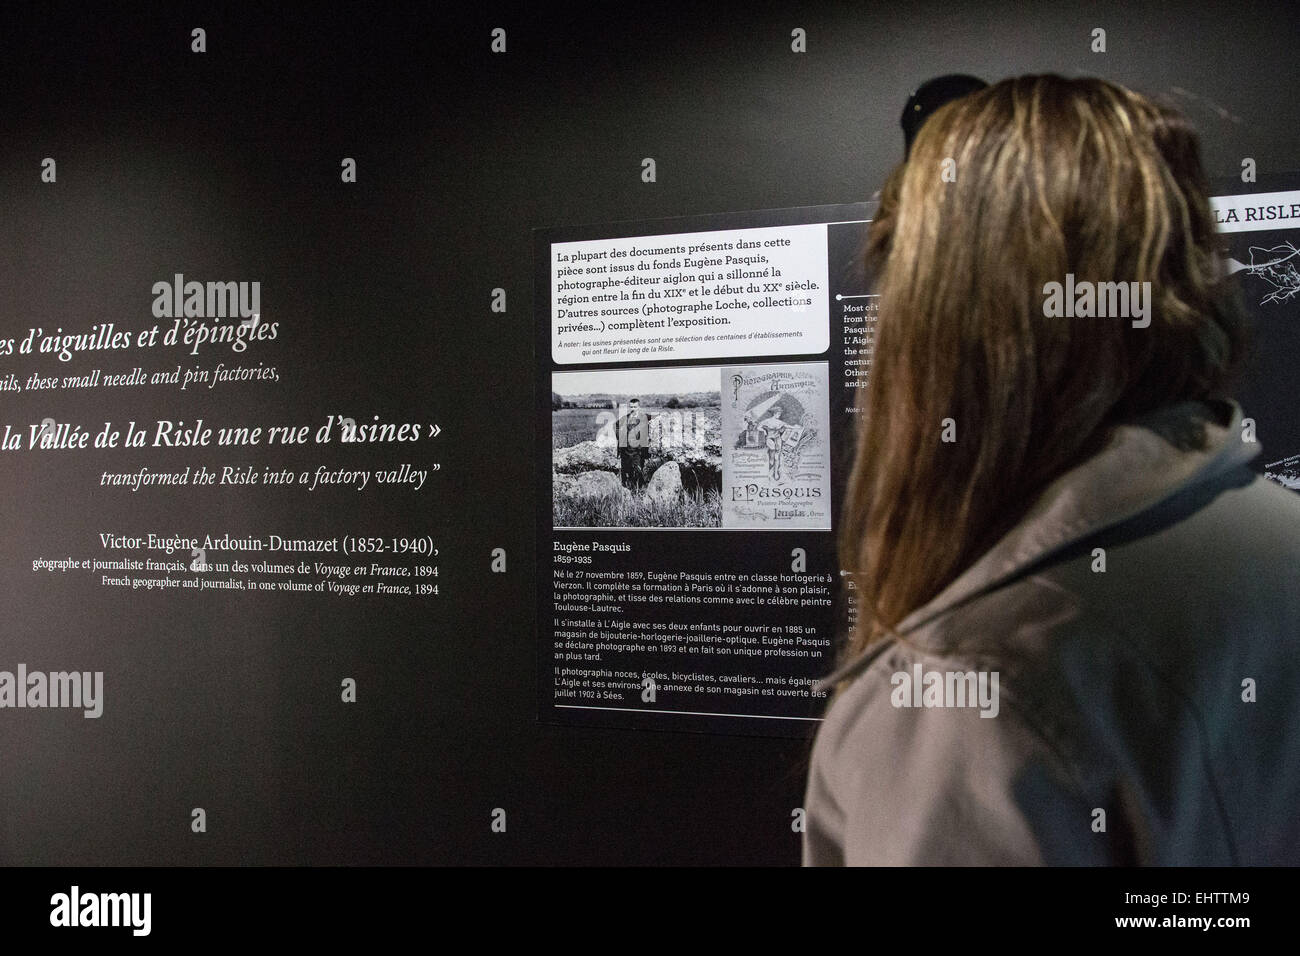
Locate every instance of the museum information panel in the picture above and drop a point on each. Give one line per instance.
(695, 390)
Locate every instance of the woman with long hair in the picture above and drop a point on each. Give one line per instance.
(1076, 626)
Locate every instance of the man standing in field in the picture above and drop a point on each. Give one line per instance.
(633, 434)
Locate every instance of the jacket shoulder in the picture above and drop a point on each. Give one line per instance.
(1121, 672)
(906, 778)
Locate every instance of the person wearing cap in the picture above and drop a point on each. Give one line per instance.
(1077, 628)
(632, 432)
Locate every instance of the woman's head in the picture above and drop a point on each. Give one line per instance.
(978, 397)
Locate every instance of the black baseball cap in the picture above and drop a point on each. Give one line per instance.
(931, 95)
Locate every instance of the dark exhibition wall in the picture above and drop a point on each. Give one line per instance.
(321, 723)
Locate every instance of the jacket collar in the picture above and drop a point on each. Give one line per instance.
(1135, 470)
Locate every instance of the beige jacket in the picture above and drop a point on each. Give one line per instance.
(1147, 713)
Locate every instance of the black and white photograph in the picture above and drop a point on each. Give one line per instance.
(745, 436)
(637, 448)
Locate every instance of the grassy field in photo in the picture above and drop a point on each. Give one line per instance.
(696, 507)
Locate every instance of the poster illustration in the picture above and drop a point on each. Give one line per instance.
(775, 443)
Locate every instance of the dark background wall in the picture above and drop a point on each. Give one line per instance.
(225, 165)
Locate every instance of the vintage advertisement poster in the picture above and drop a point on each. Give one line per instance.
(776, 453)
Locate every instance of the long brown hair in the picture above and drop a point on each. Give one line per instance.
(1044, 176)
